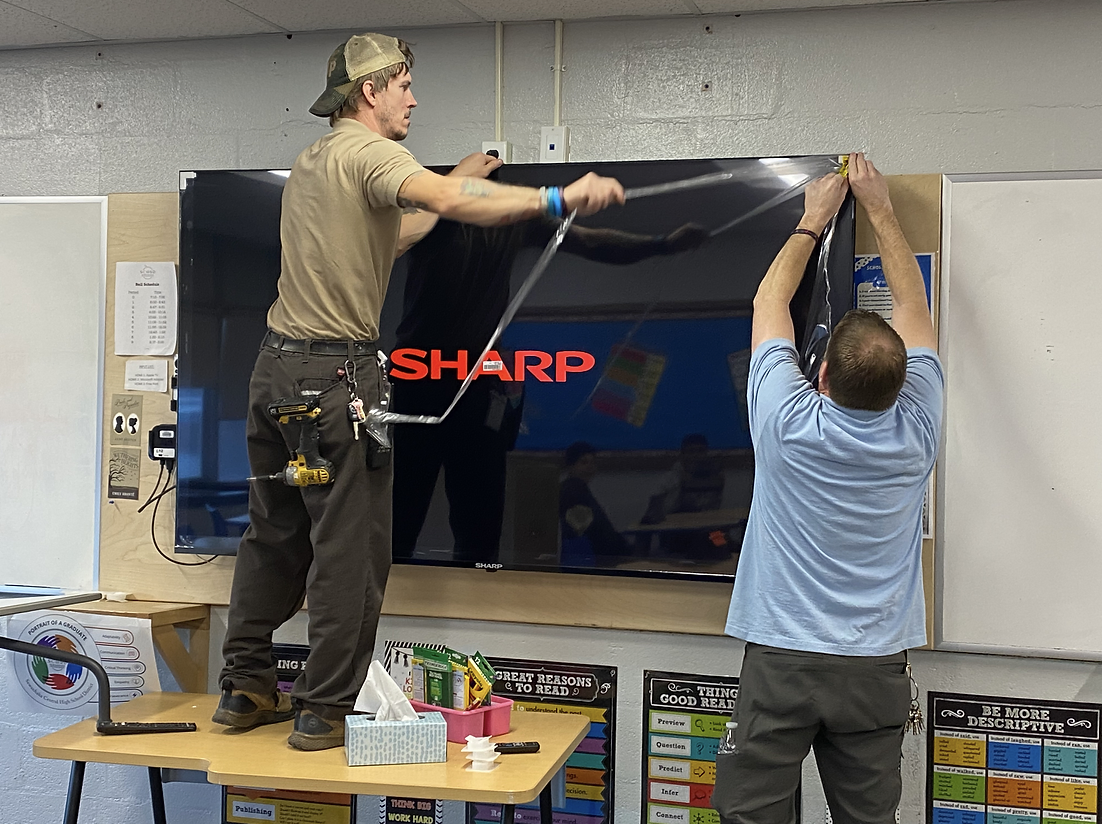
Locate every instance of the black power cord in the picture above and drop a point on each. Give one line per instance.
(155, 499)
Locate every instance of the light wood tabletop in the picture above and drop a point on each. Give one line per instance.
(158, 613)
(262, 758)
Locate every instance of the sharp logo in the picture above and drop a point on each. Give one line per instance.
(489, 566)
(547, 367)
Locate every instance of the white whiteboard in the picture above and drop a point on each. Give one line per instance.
(53, 264)
(1020, 478)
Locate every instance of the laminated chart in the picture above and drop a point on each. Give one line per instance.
(629, 383)
(997, 760)
(870, 287)
(546, 686)
(123, 645)
(684, 717)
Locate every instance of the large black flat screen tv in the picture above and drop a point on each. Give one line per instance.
(608, 430)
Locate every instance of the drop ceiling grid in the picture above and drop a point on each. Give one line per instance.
(335, 15)
(19, 27)
(149, 19)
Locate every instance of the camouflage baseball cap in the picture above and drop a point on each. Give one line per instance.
(361, 55)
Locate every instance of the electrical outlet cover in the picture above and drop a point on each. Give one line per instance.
(503, 148)
(554, 144)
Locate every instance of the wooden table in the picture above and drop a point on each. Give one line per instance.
(188, 664)
(14, 604)
(262, 757)
(692, 521)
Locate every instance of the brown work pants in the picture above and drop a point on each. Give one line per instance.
(328, 543)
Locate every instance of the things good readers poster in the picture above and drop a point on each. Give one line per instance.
(684, 717)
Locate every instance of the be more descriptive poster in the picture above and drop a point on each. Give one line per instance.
(684, 717)
(993, 760)
(548, 686)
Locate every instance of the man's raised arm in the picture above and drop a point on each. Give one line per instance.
(910, 311)
(772, 316)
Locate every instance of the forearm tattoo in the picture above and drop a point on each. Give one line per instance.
(472, 187)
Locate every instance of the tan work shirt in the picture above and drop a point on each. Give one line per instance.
(339, 233)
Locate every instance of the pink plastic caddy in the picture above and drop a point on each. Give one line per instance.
(491, 720)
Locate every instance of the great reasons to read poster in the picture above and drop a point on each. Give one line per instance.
(684, 716)
(994, 760)
(550, 686)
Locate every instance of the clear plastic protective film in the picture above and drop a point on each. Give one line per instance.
(797, 176)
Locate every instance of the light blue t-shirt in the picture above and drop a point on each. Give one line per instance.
(832, 557)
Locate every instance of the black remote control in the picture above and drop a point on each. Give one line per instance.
(507, 747)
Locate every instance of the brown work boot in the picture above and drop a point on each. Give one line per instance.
(245, 710)
(312, 732)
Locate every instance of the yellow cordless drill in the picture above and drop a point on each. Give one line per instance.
(307, 467)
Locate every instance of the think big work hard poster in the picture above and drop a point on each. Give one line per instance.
(684, 716)
(549, 686)
(994, 760)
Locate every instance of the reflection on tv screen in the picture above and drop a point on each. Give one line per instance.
(605, 431)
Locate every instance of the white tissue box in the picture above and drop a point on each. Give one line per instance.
(368, 742)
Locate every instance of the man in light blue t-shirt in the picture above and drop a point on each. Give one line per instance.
(828, 595)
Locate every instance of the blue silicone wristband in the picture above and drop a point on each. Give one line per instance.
(556, 200)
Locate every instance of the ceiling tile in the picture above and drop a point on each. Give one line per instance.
(739, 6)
(295, 15)
(47, 22)
(150, 19)
(19, 28)
(507, 10)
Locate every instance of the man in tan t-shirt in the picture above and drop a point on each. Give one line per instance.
(341, 227)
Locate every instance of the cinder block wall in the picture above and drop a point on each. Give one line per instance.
(924, 87)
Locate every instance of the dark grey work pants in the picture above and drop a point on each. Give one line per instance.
(851, 710)
(330, 543)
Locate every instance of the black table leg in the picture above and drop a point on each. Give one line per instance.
(545, 804)
(157, 795)
(76, 785)
(508, 812)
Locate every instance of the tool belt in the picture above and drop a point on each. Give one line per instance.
(319, 347)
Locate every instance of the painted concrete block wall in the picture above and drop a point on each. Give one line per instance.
(924, 87)
(929, 87)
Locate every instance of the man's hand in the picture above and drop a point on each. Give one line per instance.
(822, 200)
(772, 315)
(592, 193)
(869, 186)
(910, 310)
(476, 165)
